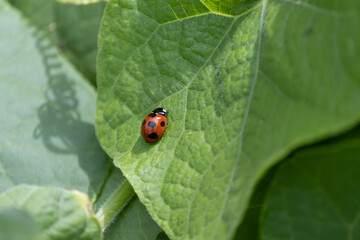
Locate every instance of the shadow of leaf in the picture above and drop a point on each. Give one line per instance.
(60, 127)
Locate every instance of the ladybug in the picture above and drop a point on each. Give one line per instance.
(154, 125)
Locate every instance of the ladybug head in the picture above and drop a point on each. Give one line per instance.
(161, 111)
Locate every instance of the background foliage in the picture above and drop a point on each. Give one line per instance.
(249, 84)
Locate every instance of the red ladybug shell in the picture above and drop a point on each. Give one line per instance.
(153, 127)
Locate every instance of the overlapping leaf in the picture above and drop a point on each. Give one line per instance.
(47, 213)
(314, 194)
(242, 91)
(133, 223)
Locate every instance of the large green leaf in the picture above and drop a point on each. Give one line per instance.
(74, 28)
(47, 114)
(315, 194)
(51, 213)
(242, 90)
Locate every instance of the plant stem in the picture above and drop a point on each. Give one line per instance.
(115, 204)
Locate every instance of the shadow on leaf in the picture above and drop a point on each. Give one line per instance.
(61, 128)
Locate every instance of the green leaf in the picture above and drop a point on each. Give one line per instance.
(73, 28)
(314, 195)
(242, 91)
(133, 223)
(58, 214)
(47, 114)
(80, 1)
(11, 219)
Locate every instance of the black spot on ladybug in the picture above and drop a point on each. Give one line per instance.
(152, 124)
(152, 114)
(153, 136)
(143, 122)
(162, 123)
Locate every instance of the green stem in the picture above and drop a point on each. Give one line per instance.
(115, 204)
